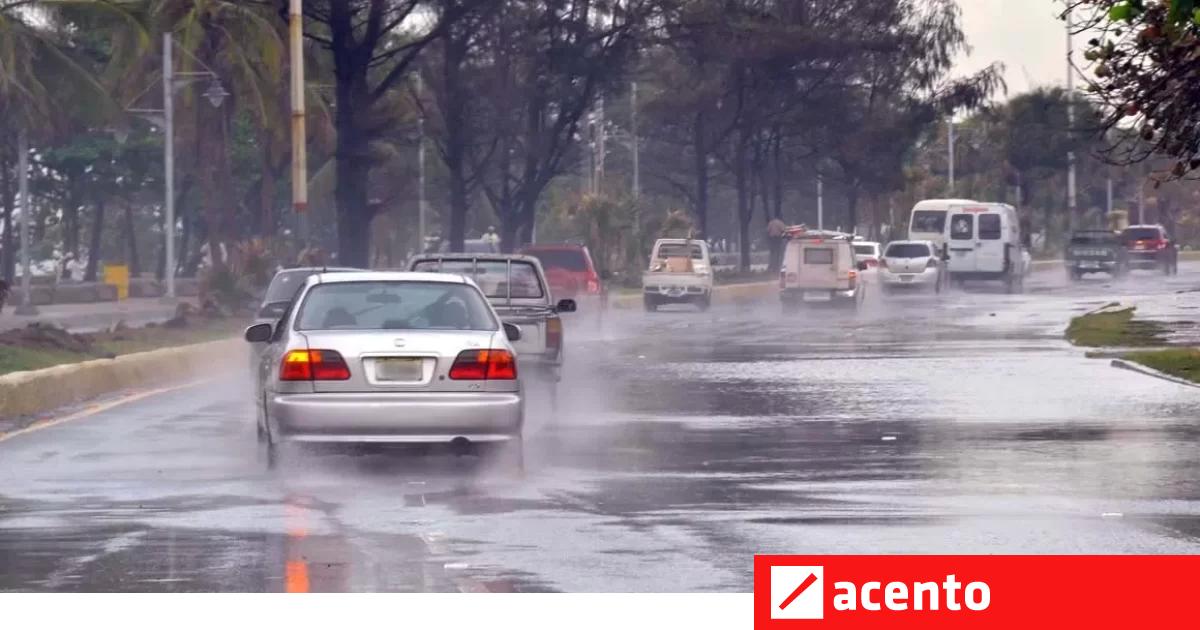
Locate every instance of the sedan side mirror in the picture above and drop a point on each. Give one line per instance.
(258, 333)
(512, 331)
(565, 306)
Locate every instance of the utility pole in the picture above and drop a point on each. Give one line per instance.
(1071, 201)
(633, 124)
(950, 151)
(168, 81)
(26, 307)
(1108, 197)
(420, 172)
(820, 202)
(299, 133)
(599, 146)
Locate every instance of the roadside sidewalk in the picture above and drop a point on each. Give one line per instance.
(92, 317)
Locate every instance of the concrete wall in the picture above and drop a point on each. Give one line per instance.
(39, 391)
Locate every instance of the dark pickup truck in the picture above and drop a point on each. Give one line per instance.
(1095, 251)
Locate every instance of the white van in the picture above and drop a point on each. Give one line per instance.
(820, 267)
(928, 219)
(985, 243)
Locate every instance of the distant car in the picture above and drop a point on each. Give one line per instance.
(1149, 247)
(516, 288)
(819, 267)
(912, 265)
(867, 252)
(569, 269)
(284, 287)
(1095, 251)
(387, 357)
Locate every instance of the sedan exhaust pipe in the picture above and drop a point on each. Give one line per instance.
(460, 446)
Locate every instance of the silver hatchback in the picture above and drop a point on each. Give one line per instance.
(383, 357)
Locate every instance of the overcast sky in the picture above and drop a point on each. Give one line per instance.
(1023, 34)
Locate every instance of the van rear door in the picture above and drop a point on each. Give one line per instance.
(990, 242)
(962, 242)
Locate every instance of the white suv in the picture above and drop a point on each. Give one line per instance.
(820, 267)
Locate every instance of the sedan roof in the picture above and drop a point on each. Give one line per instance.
(387, 276)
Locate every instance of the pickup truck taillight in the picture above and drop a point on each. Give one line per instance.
(484, 365)
(853, 277)
(554, 333)
(313, 365)
(593, 283)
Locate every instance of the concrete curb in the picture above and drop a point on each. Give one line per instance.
(39, 391)
(1148, 371)
(724, 293)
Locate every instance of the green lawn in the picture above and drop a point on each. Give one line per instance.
(1181, 362)
(14, 358)
(1114, 328)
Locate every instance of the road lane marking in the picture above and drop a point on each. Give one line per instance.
(96, 409)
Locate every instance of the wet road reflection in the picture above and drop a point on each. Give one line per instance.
(682, 444)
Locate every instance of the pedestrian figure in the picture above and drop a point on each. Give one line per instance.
(775, 235)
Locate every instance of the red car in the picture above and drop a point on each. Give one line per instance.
(569, 269)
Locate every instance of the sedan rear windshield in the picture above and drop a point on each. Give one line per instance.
(566, 259)
(1093, 238)
(907, 250)
(1141, 234)
(395, 306)
(492, 276)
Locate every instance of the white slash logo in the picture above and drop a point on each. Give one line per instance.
(797, 592)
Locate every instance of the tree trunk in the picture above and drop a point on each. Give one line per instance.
(852, 206)
(454, 115)
(93, 263)
(135, 264)
(7, 255)
(700, 148)
(778, 183)
(353, 218)
(267, 192)
(745, 203)
(71, 223)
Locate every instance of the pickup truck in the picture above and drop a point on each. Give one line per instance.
(1095, 251)
(681, 272)
(517, 288)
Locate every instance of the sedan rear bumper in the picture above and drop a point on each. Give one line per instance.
(426, 417)
(924, 278)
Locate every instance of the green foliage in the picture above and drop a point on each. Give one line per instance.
(1113, 328)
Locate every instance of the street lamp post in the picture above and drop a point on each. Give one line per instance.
(172, 81)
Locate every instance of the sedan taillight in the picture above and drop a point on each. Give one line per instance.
(484, 365)
(313, 365)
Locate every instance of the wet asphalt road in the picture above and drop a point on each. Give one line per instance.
(683, 443)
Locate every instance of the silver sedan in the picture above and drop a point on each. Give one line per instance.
(380, 357)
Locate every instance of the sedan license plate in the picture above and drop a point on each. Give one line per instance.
(908, 278)
(817, 296)
(398, 369)
(1089, 264)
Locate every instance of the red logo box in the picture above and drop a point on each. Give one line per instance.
(1009, 592)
